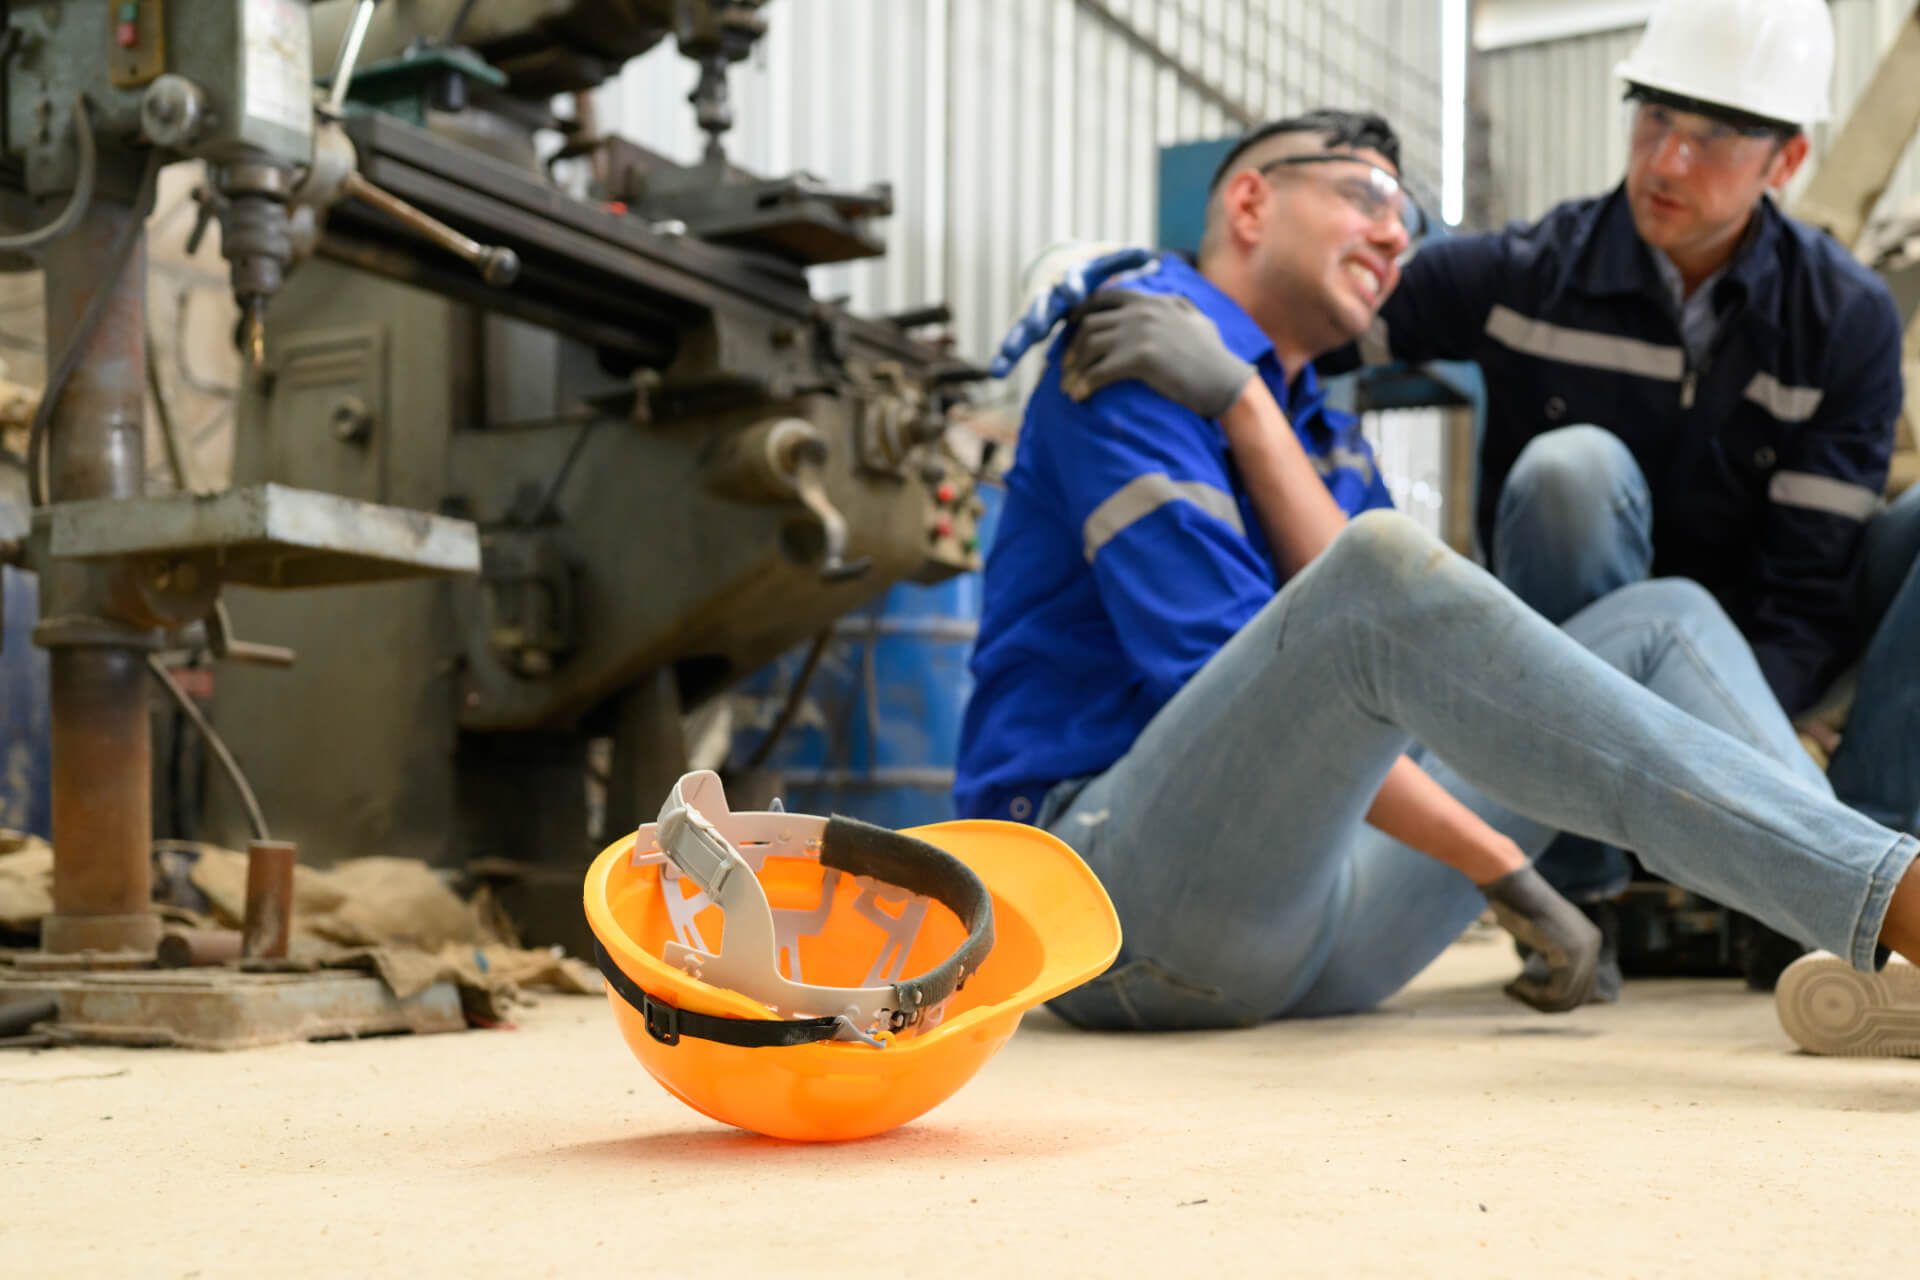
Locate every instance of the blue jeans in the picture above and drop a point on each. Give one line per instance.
(1575, 522)
(1232, 836)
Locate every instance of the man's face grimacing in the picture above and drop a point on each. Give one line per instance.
(1331, 238)
(1693, 180)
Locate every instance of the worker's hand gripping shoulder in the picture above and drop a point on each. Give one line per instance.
(1161, 339)
(1528, 908)
(1068, 277)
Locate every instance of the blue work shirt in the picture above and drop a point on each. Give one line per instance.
(1766, 453)
(1128, 553)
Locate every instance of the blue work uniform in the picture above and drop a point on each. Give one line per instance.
(1127, 554)
(1766, 454)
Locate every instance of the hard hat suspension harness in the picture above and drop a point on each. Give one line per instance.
(757, 937)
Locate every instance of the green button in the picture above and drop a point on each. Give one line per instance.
(130, 11)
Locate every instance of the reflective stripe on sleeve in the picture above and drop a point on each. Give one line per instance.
(1823, 493)
(1144, 495)
(1582, 347)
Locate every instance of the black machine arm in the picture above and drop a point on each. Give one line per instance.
(600, 275)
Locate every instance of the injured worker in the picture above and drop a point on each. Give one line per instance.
(1303, 744)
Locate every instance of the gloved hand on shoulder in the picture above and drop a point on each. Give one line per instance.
(1163, 340)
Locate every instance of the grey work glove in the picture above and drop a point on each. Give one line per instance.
(1159, 338)
(1528, 908)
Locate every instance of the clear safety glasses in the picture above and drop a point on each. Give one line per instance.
(1367, 187)
(1710, 143)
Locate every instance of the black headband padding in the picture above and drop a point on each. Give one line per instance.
(667, 1023)
(862, 849)
(1726, 115)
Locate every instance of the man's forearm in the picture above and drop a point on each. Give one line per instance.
(1415, 810)
(1296, 512)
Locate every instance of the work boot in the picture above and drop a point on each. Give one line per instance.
(1829, 1007)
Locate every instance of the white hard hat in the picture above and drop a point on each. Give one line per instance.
(1768, 58)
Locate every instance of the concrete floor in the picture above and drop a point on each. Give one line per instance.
(1452, 1133)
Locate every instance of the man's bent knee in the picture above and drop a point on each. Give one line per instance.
(1388, 542)
(1574, 521)
(1572, 472)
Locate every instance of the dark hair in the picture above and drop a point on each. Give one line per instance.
(1352, 129)
(1745, 121)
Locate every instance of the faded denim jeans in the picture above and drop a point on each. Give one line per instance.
(1232, 836)
(1575, 522)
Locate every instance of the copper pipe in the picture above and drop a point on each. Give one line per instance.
(269, 913)
(102, 783)
(191, 948)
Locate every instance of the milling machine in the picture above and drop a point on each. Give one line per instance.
(681, 462)
(97, 99)
(567, 464)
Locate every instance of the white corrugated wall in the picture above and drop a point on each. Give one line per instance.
(1006, 125)
(1558, 129)
(1557, 126)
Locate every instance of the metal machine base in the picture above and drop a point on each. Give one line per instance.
(230, 1009)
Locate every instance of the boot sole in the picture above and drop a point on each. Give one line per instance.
(1830, 1008)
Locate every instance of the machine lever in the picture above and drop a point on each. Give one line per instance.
(349, 55)
(498, 265)
(779, 460)
(258, 655)
(220, 639)
(805, 459)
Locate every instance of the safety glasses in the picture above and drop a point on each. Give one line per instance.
(1711, 143)
(1376, 193)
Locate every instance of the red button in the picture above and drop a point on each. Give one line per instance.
(944, 493)
(128, 34)
(944, 527)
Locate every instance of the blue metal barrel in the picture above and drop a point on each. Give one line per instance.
(878, 732)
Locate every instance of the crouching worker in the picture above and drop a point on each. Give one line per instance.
(1303, 743)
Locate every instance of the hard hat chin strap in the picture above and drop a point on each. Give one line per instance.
(749, 960)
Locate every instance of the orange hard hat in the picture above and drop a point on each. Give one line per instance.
(802, 1022)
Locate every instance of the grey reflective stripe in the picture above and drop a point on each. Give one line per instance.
(1376, 344)
(1789, 404)
(1578, 346)
(1332, 460)
(1823, 493)
(1144, 495)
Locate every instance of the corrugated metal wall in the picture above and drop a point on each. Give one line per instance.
(1007, 125)
(1558, 128)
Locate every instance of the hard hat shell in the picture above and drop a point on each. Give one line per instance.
(1768, 58)
(1054, 928)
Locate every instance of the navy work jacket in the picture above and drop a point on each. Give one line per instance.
(1765, 460)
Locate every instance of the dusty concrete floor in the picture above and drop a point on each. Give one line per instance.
(1452, 1133)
